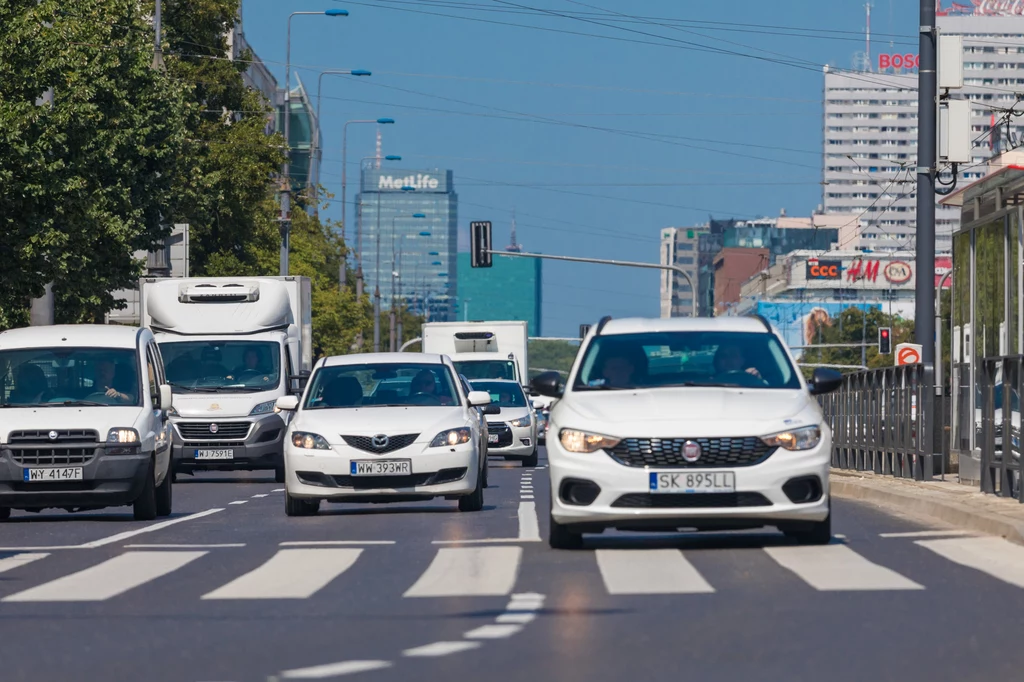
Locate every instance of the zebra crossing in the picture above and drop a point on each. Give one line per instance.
(297, 573)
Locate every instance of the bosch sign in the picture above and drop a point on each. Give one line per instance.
(898, 61)
(824, 269)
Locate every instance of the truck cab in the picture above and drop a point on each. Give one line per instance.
(481, 350)
(84, 420)
(232, 347)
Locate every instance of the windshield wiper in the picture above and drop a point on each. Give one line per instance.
(699, 384)
(605, 387)
(79, 403)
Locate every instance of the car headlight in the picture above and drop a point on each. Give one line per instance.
(803, 438)
(122, 441)
(581, 441)
(451, 437)
(264, 408)
(309, 441)
(521, 422)
(172, 412)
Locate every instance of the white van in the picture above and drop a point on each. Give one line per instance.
(83, 420)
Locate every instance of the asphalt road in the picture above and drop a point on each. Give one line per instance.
(230, 589)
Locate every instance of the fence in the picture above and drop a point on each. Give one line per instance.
(1001, 381)
(885, 420)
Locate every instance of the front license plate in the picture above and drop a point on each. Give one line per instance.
(215, 454)
(693, 482)
(382, 467)
(53, 474)
(492, 438)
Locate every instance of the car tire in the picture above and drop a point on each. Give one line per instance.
(531, 460)
(562, 537)
(295, 506)
(144, 507)
(165, 496)
(474, 501)
(5, 513)
(279, 475)
(817, 533)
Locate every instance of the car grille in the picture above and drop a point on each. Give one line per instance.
(691, 500)
(504, 435)
(76, 435)
(373, 482)
(668, 452)
(225, 430)
(36, 448)
(52, 456)
(365, 443)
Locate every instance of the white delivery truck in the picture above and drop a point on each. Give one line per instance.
(481, 350)
(232, 346)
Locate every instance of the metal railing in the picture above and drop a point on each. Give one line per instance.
(1001, 382)
(885, 420)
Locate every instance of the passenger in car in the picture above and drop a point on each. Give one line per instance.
(342, 392)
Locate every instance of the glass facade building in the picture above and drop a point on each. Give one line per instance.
(508, 290)
(422, 251)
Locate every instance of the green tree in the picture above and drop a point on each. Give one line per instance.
(84, 178)
(849, 327)
(556, 355)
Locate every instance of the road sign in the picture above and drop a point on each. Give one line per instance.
(480, 243)
(584, 328)
(908, 354)
(884, 340)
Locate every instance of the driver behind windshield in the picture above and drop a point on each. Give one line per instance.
(730, 360)
(114, 381)
(423, 388)
(252, 363)
(619, 366)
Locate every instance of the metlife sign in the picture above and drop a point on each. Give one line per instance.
(394, 180)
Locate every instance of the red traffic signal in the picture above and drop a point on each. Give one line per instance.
(884, 340)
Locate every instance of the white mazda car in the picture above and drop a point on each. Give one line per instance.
(687, 424)
(513, 431)
(384, 428)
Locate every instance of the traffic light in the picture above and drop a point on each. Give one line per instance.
(480, 243)
(584, 328)
(884, 340)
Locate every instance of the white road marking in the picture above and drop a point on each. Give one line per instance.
(238, 502)
(261, 495)
(19, 560)
(148, 529)
(649, 571)
(469, 571)
(221, 546)
(335, 543)
(484, 541)
(277, 490)
(520, 618)
(527, 497)
(38, 548)
(831, 568)
(289, 574)
(108, 579)
(928, 534)
(441, 649)
(493, 631)
(529, 528)
(318, 672)
(995, 556)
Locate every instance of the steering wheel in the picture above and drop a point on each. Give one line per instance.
(745, 375)
(99, 397)
(248, 373)
(425, 399)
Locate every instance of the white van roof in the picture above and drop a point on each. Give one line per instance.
(87, 335)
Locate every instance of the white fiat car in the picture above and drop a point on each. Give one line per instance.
(360, 434)
(513, 431)
(687, 424)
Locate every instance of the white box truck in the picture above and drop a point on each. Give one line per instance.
(231, 346)
(482, 350)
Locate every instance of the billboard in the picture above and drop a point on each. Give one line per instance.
(798, 321)
(979, 8)
(396, 180)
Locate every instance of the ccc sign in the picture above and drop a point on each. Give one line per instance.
(824, 269)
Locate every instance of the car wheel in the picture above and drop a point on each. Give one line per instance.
(144, 507)
(164, 495)
(295, 506)
(5, 513)
(279, 475)
(531, 461)
(474, 501)
(562, 537)
(817, 533)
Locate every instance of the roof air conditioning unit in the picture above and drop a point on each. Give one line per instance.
(213, 293)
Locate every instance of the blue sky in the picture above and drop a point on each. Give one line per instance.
(598, 140)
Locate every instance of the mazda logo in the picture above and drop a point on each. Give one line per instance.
(53, 435)
(691, 451)
(214, 428)
(380, 441)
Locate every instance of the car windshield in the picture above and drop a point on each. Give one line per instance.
(487, 369)
(664, 359)
(503, 393)
(221, 366)
(49, 377)
(380, 385)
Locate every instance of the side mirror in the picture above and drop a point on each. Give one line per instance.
(548, 384)
(825, 380)
(287, 403)
(492, 409)
(297, 382)
(166, 398)
(479, 398)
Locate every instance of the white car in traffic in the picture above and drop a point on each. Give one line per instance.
(513, 431)
(679, 424)
(355, 437)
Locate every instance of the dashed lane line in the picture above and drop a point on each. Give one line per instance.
(529, 527)
(224, 545)
(440, 649)
(319, 672)
(928, 534)
(333, 543)
(148, 529)
(238, 502)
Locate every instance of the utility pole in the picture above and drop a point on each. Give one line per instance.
(927, 112)
(158, 52)
(42, 310)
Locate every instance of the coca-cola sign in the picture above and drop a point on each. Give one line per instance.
(981, 8)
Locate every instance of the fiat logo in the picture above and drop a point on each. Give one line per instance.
(380, 441)
(52, 435)
(214, 428)
(691, 451)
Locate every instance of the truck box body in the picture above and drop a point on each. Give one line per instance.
(482, 350)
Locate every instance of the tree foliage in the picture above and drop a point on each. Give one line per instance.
(852, 326)
(548, 355)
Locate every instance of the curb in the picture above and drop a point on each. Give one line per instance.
(930, 504)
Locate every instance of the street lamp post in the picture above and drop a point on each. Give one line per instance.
(359, 226)
(286, 190)
(316, 143)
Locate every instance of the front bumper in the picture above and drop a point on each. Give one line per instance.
(327, 474)
(260, 448)
(107, 481)
(522, 443)
(617, 480)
